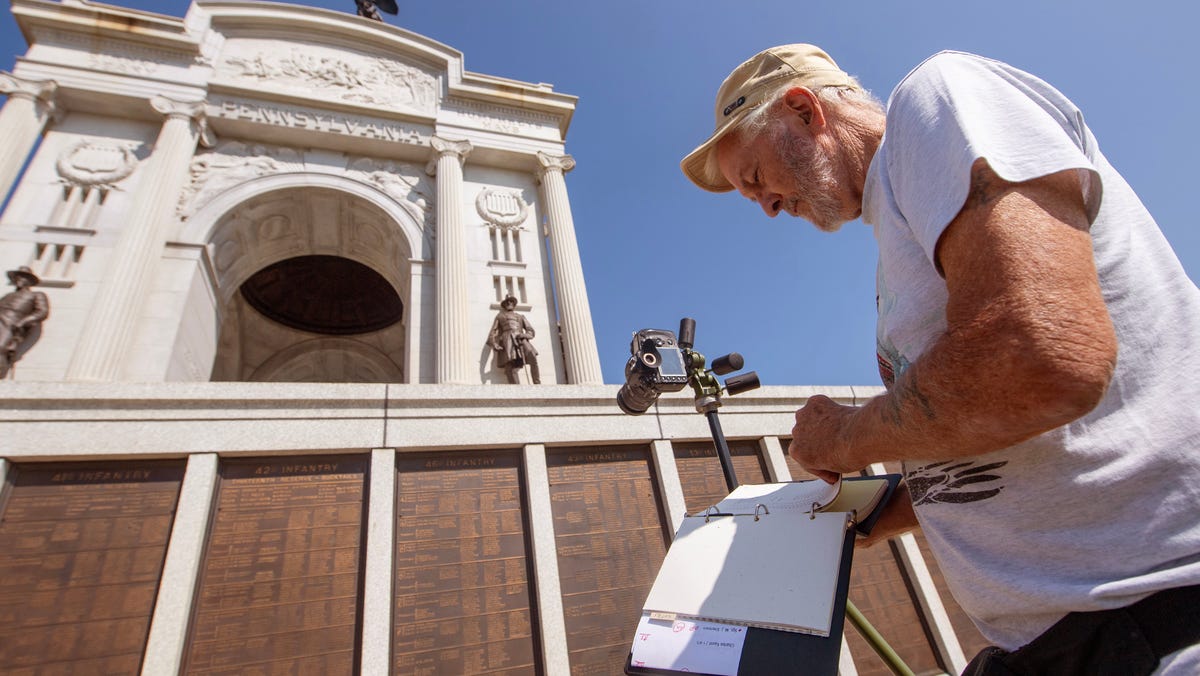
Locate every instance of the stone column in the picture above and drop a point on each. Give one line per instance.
(23, 117)
(575, 315)
(453, 326)
(110, 324)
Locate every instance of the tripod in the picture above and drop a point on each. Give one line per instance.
(708, 400)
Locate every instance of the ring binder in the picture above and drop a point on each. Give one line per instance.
(726, 571)
(764, 510)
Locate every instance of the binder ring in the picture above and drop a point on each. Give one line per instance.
(763, 508)
(812, 511)
(708, 513)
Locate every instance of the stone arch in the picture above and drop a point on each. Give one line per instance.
(270, 219)
(406, 216)
(328, 359)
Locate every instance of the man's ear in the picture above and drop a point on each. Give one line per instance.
(801, 102)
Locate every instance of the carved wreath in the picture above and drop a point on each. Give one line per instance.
(94, 163)
(505, 209)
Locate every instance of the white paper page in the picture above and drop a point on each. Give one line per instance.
(792, 498)
(684, 645)
(778, 572)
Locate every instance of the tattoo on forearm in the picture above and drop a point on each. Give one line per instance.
(906, 389)
(986, 187)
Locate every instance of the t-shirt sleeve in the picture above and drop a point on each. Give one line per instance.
(956, 108)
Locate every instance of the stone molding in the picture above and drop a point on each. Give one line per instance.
(501, 118)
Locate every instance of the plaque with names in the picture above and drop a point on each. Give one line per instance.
(279, 585)
(700, 471)
(463, 603)
(81, 554)
(611, 540)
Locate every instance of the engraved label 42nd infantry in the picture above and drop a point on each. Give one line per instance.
(278, 587)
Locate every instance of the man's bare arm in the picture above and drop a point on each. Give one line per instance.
(1029, 345)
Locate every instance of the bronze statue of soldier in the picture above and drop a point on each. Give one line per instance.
(21, 311)
(510, 339)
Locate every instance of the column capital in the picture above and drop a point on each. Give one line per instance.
(548, 162)
(444, 146)
(40, 92)
(193, 112)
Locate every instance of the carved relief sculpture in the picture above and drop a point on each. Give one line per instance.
(231, 164)
(357, 78)
(510, 340)
(403, 183)
(21, 312)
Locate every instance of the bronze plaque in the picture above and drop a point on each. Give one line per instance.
(610, 536)
(880, 590)
(81, 553)
(700, 470)
(279, 588)
(463, 602)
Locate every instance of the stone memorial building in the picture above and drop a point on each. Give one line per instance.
(261, 428)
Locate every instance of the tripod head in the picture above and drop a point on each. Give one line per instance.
(659, 362)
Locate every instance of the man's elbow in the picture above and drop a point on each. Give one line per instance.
(1073, 382)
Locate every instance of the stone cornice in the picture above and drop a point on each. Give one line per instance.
(105, 22)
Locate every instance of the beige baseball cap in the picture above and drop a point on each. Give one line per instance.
(744, 90)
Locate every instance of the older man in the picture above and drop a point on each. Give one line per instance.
(1037, 336)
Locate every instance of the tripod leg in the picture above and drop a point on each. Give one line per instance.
(876, 641)
(714, 425)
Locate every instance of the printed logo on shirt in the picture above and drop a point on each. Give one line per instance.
(886, 373)
(950, 481)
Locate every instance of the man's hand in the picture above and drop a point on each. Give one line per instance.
(819, 438)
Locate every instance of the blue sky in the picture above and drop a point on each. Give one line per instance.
(798, 304)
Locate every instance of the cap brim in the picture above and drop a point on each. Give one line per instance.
(696, 165)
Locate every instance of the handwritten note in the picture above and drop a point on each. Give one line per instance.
(686, 645)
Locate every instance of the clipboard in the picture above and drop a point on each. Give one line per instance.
(769, 650)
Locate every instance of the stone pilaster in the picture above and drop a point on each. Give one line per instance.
(110, 325)
(30, 104)
(453, 333)
(579, 339)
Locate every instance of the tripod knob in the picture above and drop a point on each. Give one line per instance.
(743, 382)
(728, 364)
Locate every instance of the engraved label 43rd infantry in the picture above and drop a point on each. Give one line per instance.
(462, 597)
(279, 583)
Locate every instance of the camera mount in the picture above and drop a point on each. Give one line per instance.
(661, 363)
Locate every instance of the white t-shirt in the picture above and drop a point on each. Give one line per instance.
(1095, 514)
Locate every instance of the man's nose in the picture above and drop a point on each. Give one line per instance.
(770, 203)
